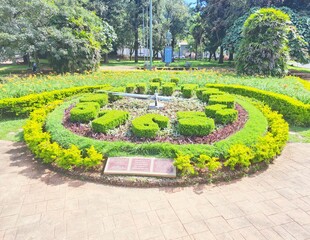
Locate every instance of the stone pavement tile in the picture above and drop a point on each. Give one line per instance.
(82, 235)
(260, 221)
(10, 234)
(229, 211)
(95, 227)
(218, 225)
(123, 220)
(9, 210)
(108, 223)
(195, 213)
(301, 204)
(155, 205)
(117, 208)
(272, 194)
(29, 219)
(71, 204)
(239, 222)
(75, 226)
(104, 236)
(217, 199)
(153, 218)
(129, 233)
(60, 230)
(178, 203)
(299, 216)
(141, 220)
(173, 230)
(150, 232)
(268, 207)
(58, 204)
(288, 193)
(207, 235)
(195, 227)
(270, 233)
(34, 198)
(251, 233)
(233, 235)
(283, 233)
(139, 206)
(284, 204)
(296, 231)
(166, 215)
(184, 215)
(248, 207)
(280, 218)
(8, 222)
(208, 211)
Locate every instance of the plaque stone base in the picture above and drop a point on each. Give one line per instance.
(140, 166)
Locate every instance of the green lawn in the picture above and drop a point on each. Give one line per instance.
(11, 129)
(299, 69)
(299, 135)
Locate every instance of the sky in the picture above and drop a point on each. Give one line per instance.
(190, 1)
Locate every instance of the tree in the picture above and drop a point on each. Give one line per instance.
(264, 50)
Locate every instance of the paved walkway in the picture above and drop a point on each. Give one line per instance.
(38, 204)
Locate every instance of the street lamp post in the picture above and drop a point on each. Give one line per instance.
(151, 34)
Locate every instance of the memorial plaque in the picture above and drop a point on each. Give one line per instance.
(140, 166)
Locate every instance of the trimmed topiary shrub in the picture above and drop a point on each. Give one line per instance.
(130, 88)
(194, 124)
(148, 125)
(109, 119)
(168, 89)
(175, 81)
(102, 99)
(211, 110)
(209, 92)
(141, 88)
(157, 80)
(264, 50)
(154, 87)
(224, 99)
(225, 116)
(199, 92)
(113, 98)
(188, 90)
(84, 112)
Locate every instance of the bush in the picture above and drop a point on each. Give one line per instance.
(188, 90)
(189, 114)
(25, 105)
(148, 125)
(224, 99)
(211, 163)
(199, 92)
(141, 88)
(102, 99)
(211, 110)
(130, 88)
(183, 164)
(113, 98)
(168, 89)
(264, 50)
(226, 116)
(156, 80)
(109, 119)
(84, 112)
(154, 87)
(294, 111)
(239, 155)
(175, 81)
(208, 93)
(199, 126)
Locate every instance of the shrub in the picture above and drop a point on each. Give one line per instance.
(110, 119)
(211, 163)
(183, 164)
(189, 114)
(69, 157)
(156, 80)
(175, 81)
(168, 89)
(211, 110)
(239, 155)
(264, 50)
(154, 87)
(199, 92)
(294, 111)
(130, 88)
(198, 126)
(208, 93)
(92, 159)
(141, 88)
(225, 116)
(188, 90)
(148, 125)
(224, 99)
(112, 97)
(102, 99)
(84, 112)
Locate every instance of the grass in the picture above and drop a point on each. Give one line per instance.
(299, 135)
(299, 69)
(11, 129)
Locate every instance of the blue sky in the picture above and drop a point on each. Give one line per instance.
(190, 1)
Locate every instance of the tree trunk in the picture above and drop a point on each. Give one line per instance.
(136, 44)
(231, 54)
(26, 59)
(196, 51)
(221, 59)
(106, 58)
(214, 54)
(210, 56)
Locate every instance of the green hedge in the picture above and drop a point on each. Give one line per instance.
(141, 88)
(148, 125)
(154, 87)
(189, 114)
(198, 126)
(168, 89)
(188, 90)
(84, 112)
(224, 99)
(113, 98)
(100, 98)
(25, 105)
(205, 95)
(199, 92)
(175, 81)
(130, 88)
(294, 111)
(255, 127)
(109, 119)
(157, 80)
(211, 110)
(225, 116)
